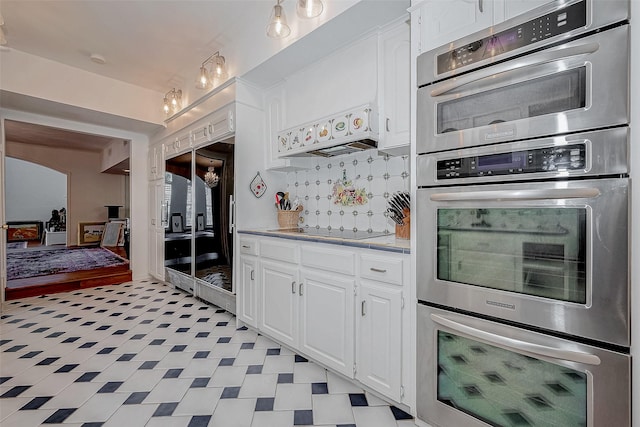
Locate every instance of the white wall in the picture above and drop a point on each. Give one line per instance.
(32, 191)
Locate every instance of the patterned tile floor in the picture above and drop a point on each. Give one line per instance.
(144, 354)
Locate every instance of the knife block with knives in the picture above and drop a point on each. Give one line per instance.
(399, 211)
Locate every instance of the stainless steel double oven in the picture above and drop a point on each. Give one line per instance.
(523, 222)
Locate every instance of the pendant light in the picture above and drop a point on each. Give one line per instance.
(309, 8)
(278, 27)
(211, 178)
(218, 71)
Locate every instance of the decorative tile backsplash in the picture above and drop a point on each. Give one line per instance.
(350, 192)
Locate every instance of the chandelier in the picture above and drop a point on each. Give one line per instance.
(218, 71)
(211, 178)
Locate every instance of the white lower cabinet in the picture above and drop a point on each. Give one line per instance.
(279, 302)
(326, 319)
(379, 345)
(342, 308)
(247, 301)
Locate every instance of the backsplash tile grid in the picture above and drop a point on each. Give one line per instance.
(379, 175)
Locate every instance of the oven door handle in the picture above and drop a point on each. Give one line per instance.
(517, 345)
(499, 195)
(497, 73)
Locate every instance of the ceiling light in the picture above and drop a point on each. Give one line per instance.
(211, 178)
(309, 8)
(218, 72)
(278, 27)
(172, 101)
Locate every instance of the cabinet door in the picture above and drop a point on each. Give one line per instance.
(326, 319)
(445, 21)
(279, 301)
(379, 346)
(156, 229)
(395, 91)
(507, 9)
(247, 295)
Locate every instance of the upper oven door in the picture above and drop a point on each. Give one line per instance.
(553, 255)
(579, 85)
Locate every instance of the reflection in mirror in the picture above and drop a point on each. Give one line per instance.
(178, 199)
(213, 184)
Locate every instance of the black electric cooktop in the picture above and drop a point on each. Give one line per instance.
(334, 232)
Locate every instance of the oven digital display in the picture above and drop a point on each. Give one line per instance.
(501, 161)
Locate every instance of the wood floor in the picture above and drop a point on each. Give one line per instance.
(64, 282)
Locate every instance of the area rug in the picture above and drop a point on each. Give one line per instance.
(23, 264)
(16, 245)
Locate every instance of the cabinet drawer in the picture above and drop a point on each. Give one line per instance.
(388, 270)
(330, 260)
(248, 247)
(279, 251)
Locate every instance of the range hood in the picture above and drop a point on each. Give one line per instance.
(341, 133)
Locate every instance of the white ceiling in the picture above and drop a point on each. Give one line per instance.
(159, 44)
(144, 42)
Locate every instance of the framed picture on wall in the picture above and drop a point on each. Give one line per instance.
(200, 222)
(177, 224)
(90, 233)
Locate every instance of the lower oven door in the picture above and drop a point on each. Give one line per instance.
(474, 372)
(553, 255)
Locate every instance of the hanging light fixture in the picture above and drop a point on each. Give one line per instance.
(278, 27)
(211, 178)
(172, 101)
(218, 71)
(309, 8)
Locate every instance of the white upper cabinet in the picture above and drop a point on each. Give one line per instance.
(394, 90)
(444, 21)
(441, 22)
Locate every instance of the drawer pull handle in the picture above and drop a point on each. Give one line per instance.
(300, 289)
(293, 287)
(252, 274)
(246, 246)
(378, 270)
(362, 308)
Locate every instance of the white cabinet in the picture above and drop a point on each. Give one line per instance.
(326, 319)
(156, 162)
(247, 300)
(394, 90)
(156, 228)
(379, 324)
(279, 301)
(177, 145)
(379, 346)
(341, 307)
(441, 22)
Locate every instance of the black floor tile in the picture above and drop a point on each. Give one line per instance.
(178, 348)
(247, 346)
(224, 340)
(273, 352)
(254, 369)
(30, 355)
(14, 348)
(70, 339)
(202, 334)
(15, 391)
(157, 342)
(319, 388)
(138, 336)
(126, 357)
(264, 404)
(300, 359)
(4, 379)
(358, 399)
(302, 417)
(110, 387)
(47, 361)
(67, 368)
(286, 378)
(200, 382)
(88, 344)
(106, 350)
(227, 361)
(199, 421)
(173, 373)
(87, 377)
(59, 416)
(36, 403)
(201, 355)
(149, 364)
(165, 409)
(230, 393)
(399, 414)
(136, 398)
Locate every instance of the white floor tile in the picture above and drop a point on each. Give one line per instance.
(250, 357)
(292, 396)
(98, 408)
(169, 422)
(51, 385)
(338, 384)
(169, 390)
(377, 416)
(259, 386)
(200, 368)
(9, 406)
(226, 376)
(308, 372)
(131, 416)
(143, 380)
(332, 409)
(234, 413)
(199, 401)
(73, 396)
(278, 364)
(27, 418)
(273, 419)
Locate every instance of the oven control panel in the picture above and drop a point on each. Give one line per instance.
(541, 28)
(546, 159)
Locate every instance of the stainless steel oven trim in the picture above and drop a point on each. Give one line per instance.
(608, 383)
(599, 14)
(607, 99)
(604, 317)
(606, 154)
